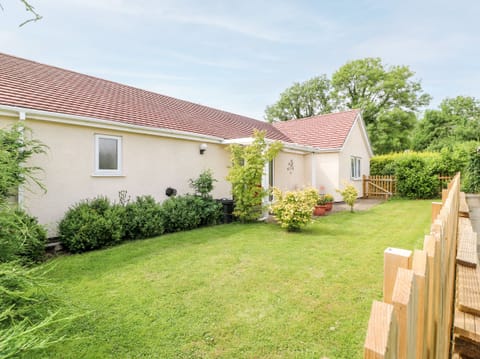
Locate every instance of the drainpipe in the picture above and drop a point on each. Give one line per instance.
(21, 191)
(314, 170)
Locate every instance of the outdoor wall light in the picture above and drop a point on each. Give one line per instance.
(203, 148)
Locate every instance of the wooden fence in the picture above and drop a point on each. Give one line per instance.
(415, 318)
(379, 186)
(386, 186)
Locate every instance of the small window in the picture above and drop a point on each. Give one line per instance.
(108, 155)
(355, 167)
(270, 179)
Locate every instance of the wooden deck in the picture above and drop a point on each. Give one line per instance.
(466, 326)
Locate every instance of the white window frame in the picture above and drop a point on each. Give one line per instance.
(97, 170)
(355, 167)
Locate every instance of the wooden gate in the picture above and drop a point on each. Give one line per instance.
(379, 186)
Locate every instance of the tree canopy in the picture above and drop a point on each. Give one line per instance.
(388, 96)
(305, 99)
(456, 120)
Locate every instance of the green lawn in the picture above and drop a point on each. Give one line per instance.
(236, 291)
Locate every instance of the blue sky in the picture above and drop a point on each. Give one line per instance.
(240, 55)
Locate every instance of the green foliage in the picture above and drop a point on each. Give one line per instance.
(293, 209)
(457, 120)
(349, 195)
(16, 148)
(390, 132)
(245, 175)
(389, 97)
(91, 224)
(26, 319)
(305, 99)
(203, 185)
(472, 177)
(143, 218)
(415, 179)
(21, 237)
(371, 86)
(417, 172)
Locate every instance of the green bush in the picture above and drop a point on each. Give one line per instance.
(92, 224)
(349, 195)
(415, 179)
(143, 218)
(26, 320)
(180, 214)
(293, 209)
(21, 237)
(472, 177)
(211, 212)
(203, 185)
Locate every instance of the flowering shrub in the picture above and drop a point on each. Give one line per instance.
(349, 194)
(293, 209)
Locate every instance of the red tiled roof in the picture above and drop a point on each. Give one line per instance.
(323, 131)
(28, 84)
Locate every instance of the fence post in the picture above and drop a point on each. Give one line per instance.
(436, 207)
(405, 303)
(393, 258)
(420, 270)
(382, 333)
(364, 186)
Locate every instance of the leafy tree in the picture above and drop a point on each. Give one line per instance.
(367, 84)
(16, 147)
(391, 131)
(387, 96)
(305, 99)
(457, 120)
(29, 8)
(245, 175)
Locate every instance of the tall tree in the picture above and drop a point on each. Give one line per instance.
(368, 85)
(387, 96)
(456, 120)
(391, 132)
(305, 99)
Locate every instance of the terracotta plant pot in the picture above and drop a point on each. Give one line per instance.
(329, 206)
(319, 210)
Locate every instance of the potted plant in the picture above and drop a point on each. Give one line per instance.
(321, 206)
(328, 201)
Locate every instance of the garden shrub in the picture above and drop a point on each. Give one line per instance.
(203, 185)
(26, 319)
(245, 175)
(349, 195)
(472, 177)
(91, 224)
(293, 209)
(180, 213)
(143, 218)
(21, 237)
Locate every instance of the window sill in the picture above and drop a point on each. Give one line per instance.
(107, 175)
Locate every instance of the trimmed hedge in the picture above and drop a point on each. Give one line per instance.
(417, 172)
(98, 223)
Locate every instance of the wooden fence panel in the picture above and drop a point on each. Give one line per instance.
(386, 186)
(424, 289)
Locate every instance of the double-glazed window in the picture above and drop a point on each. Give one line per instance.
(355, 167)
(108, 155)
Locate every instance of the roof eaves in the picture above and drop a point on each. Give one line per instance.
(113, 125)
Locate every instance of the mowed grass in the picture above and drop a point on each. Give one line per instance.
(236, 291)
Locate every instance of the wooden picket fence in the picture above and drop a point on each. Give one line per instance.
(415, 319)
(379, 186)
(386, 186)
